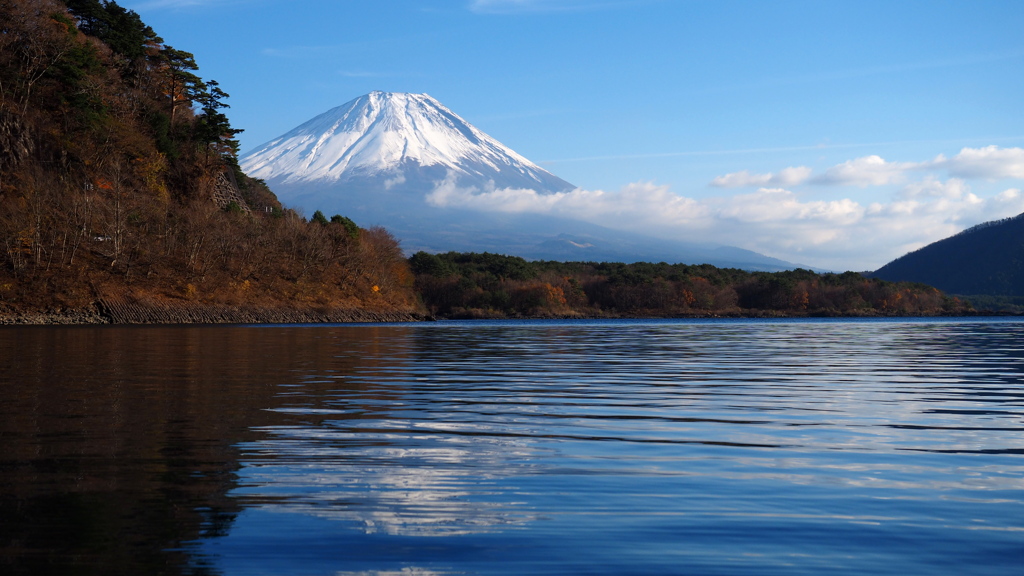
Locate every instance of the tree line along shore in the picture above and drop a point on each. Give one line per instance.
(461, 285)
(492, 286)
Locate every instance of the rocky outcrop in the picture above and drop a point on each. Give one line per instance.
(15, 142)
(225, 191)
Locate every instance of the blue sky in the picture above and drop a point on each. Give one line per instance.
(838, 134)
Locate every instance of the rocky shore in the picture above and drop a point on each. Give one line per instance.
(120, 311)
(129, 311)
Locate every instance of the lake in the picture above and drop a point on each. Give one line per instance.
(593, 447)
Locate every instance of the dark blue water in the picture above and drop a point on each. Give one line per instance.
(671, 447)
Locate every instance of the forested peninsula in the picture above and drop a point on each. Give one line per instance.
(122, 201)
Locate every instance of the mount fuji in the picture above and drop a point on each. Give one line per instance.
(394, 139)
(377, 158)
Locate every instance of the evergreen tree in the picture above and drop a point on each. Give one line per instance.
(213, 127)
(121, 29)
(350, 227)
(182, 87)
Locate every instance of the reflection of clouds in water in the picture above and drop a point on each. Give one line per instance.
(436, 486)
(485, 436)
(912, 388)
(408, 571)
(927, 481)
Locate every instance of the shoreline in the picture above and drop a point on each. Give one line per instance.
(752, 314)
(124, 313)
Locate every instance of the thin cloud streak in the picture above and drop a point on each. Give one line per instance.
(804, 148)
(542, 6)
(692, 153)
(153, 5)
(364, 74)
(347, 48)
(518, 115)
(858, 73)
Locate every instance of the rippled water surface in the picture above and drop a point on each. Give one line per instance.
(674, 447)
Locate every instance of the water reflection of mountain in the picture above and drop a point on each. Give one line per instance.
(118, 445)
(362, 444)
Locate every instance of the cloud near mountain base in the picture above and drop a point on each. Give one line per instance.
(633, 203)
(838, 234)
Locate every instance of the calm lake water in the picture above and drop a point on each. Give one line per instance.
(640, 447)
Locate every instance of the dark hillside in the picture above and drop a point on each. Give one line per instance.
(987, 259)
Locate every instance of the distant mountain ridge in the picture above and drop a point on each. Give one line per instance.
(376, 158)
(987, 259)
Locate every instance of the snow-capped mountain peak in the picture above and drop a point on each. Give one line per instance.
(397, 137)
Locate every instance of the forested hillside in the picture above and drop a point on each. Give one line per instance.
(120, 188)
(488, 285)
(987, 259)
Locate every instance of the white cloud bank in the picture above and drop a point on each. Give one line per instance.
(639, 202)
(836, 234)
(988, 163)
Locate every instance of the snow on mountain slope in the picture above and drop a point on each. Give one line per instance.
(392, 137)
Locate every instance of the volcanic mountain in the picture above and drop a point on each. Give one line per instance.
(391, 139)
(377, 158)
